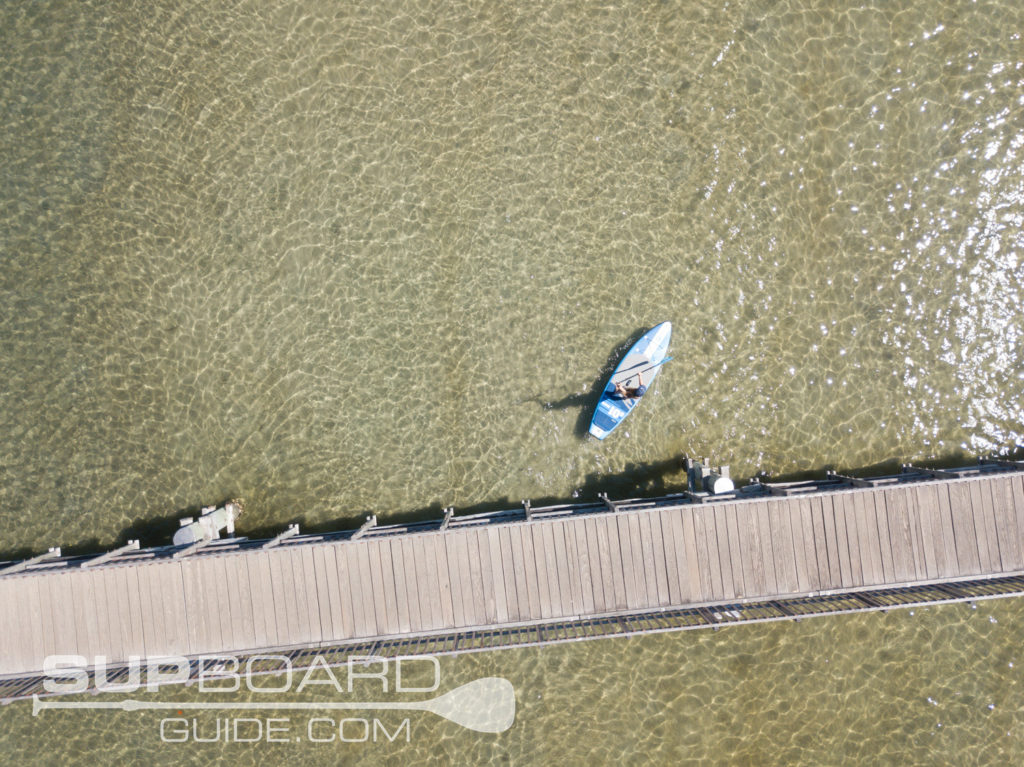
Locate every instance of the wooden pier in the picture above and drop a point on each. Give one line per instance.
(528, 576)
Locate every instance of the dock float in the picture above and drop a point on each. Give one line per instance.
(527, 576)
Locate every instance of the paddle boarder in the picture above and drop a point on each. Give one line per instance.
(625, 392)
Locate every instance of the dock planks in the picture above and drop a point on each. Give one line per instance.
(495, 575)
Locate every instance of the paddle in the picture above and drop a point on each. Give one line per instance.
(656, 364)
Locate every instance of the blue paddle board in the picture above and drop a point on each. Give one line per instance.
(648, 351)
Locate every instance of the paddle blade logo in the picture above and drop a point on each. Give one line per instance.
(486, 705)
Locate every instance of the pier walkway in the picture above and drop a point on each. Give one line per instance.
(529, 576)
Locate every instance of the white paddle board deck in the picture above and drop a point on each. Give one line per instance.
(650, 350)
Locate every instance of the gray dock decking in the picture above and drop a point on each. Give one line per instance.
(507, 573)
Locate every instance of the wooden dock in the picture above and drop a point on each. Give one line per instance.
(511, 570)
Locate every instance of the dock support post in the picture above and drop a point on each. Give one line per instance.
(132, 545)
(692, 471)
(448, 514)
(527, 509)
(610, 505)
(52, 553)
(371, 521)
(293, 529)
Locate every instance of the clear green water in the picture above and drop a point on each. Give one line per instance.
(335, 259)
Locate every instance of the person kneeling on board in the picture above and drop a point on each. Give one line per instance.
(624, 392)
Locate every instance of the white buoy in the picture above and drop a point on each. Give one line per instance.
(716, 483)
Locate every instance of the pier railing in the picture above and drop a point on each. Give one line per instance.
(757, 489)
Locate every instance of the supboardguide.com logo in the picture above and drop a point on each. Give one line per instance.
(486, 705)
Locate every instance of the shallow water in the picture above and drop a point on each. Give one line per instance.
(334, 260)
